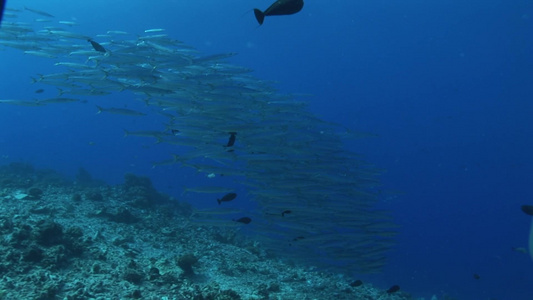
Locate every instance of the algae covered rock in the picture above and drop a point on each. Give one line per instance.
(139, 192)
(186, 262)
(35, 193)
(49, 233)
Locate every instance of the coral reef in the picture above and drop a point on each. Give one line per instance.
(73, 241)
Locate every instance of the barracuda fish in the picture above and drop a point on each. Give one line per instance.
(57, 100)
(207, 189)
(116, 32)
(151, 37)
(20, 102)
(211, 222)
(315, 198)
(154, 30)
(68, 23)
(73, 65)
(40, 54)
(39, 12)
(120, 111)
(215, 212)
(68, 34)
(214, 57)
(144, 133)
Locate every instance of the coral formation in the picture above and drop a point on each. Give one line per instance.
(63, 245)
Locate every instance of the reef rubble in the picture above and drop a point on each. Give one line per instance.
(65, 239)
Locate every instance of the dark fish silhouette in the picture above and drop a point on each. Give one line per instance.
(393, 289)
(244, 220)
(97, 46)
(2, 6)
(39, 91)
(231, 140)
(519, 249)
(356, 283)
(528, 209)
(476, 276)
(228, 197)
(278, 8)
(283, 213)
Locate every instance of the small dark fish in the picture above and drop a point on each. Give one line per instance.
(231, 140)
(228, 197)
(97, 46)
(278, 8)
(476, 276)
(298, 238)
(244, 220)
(519, 249)
(283, 213)
(2, 6)
(356, 283)
(393, 289)
(175, 131)
(528, 209)
(39, 91)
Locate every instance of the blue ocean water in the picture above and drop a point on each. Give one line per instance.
(444, 86)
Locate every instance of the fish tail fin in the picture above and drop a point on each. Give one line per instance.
(218, 200)
(100, 109)
(126, 133)
(259, 15)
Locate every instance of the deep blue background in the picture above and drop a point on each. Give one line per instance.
(446, 86)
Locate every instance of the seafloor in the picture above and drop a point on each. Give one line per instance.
(84, 239)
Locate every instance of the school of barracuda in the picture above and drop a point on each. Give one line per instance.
(317, 200)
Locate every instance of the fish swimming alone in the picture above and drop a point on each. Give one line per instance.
(228, 197)
(279, 8)
(528, 209)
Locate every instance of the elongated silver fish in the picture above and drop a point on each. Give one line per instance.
(39, 12)
(120, 111)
